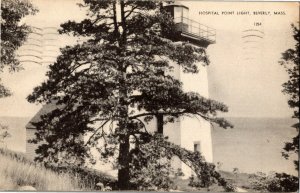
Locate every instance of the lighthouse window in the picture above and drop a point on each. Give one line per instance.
(197, 146)
(185, 13)
(177, 13)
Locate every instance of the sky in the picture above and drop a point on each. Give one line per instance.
(249, 87)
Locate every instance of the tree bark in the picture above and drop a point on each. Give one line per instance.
(124, 147)
(124, 172)
(160, 123)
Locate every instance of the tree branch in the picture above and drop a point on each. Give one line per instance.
(155, 113)
(130, 12)
(97, 131)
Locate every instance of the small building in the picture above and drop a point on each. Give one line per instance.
(31, 129)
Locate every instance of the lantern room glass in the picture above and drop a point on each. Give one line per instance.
(181, 15)
(185, 14)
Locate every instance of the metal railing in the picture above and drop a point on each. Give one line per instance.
(195, 29)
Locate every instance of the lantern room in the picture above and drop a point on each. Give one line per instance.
(187, 29)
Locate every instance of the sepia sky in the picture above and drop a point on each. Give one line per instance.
(249, 84)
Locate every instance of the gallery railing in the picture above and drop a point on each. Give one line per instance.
(195, 29)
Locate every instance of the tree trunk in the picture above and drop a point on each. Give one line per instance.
(124, 147)
(160, 123)
(124, 173)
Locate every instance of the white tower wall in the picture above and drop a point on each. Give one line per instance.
(188, 131)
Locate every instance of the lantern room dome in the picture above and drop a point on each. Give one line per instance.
(176, 4)
(187, 29)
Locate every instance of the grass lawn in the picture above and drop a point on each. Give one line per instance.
(16, 171)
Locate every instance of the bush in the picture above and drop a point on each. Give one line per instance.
(276, 182)
(151, 166)
(283, 182)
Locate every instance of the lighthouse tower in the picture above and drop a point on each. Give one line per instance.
(190, 132)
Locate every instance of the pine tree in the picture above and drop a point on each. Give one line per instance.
(291, 61)
(115, 82)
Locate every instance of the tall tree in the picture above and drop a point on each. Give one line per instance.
(13, 35)
(291, 61)
(115, 82)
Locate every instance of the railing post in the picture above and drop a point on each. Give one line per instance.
(181, 25)
(199, 29)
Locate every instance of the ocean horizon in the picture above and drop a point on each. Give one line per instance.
(253, 145)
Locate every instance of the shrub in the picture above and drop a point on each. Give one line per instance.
(151, 167)
(283, 182)
(275, 182)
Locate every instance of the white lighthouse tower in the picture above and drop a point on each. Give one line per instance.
(191, 133)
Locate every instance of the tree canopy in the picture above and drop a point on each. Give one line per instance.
(290, 61)
(114, 83)
(13, 34)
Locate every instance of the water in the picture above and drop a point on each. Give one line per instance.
(16, 128)
(254, 144)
